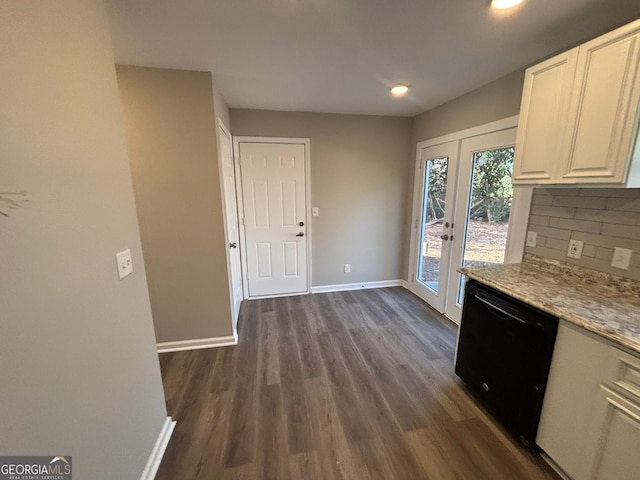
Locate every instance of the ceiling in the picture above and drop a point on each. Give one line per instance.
(342, 56)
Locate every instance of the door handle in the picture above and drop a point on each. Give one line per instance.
(444, 237)
(233, 245)
(300, 234)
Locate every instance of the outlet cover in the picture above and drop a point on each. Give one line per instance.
(125, 265)
(575, 249)
(347, 268)
(532, 238)
(621, 258)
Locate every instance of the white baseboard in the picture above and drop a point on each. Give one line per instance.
(404, 284)
(151, 468)
(197, 344)
(358, 286)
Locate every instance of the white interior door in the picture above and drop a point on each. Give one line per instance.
(273, 178)
(436, 172)
(231, 220)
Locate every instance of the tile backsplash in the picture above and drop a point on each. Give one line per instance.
(602, 218)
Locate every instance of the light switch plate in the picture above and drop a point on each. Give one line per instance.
(315, 211)
(125, 265)
(532, 238)
(575, 249)
(621, 258)
(347, 268)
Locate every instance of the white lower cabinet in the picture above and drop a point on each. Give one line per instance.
(590, 424)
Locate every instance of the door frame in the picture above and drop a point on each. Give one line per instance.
(223, 127)
(521, 202)
(237, 140)
(452, 151)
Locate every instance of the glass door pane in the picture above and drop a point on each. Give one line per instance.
(483, 207)
(436, 175)
(433, 210)
(488, 210)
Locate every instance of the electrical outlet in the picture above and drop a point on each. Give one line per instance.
(621, 258)
(125, 265)
(532, 238)
(575, 249)
(347, 268)
(315, 211)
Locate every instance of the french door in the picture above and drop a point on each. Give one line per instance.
(466, 215)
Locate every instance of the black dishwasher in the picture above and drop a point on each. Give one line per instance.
(503, 355)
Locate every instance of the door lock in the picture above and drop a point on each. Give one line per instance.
(301, 224)
(444, 237)
(300, 234)
(233, 245)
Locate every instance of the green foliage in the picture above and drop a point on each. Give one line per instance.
(491, 193)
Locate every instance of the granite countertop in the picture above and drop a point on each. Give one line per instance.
(604, 304)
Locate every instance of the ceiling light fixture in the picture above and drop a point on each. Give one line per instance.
(399, 90)
(502, 4)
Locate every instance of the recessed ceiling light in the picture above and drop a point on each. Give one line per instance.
(502, 4)
(399, 90)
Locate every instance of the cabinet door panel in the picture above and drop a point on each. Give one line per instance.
(540, 144)
(619, 436)
(578, 366)
(604, 106)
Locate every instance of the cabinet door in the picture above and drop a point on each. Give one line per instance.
(541, 141)
(566, 431)
(604, 108)
(619, 437)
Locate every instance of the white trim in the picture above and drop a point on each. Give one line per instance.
(518, 224)
(503, 124)
(153, 463)
(307, 171)
(404, 284)
(196, 344)
(225, 130)
(358, 286)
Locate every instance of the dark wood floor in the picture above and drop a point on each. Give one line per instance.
(350, 385)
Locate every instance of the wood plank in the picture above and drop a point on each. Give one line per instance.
(344, 385)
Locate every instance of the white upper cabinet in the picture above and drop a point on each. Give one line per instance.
(545, 105)
(579, 115)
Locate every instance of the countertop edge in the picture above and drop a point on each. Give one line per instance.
(607, 334)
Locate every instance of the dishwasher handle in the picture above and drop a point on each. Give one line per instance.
(511, 316)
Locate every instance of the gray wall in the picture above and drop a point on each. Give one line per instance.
(602, 218)
(79, 374)
(171, 137)
(359, 183)
(493, 101)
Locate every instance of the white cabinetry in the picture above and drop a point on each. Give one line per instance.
(590, 423)
(579, 115)
(544, 110)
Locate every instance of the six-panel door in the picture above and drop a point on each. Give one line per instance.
(275, 223)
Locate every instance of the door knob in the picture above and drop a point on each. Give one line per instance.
(444, 237)
(300, 234)
(233, 245)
